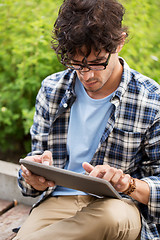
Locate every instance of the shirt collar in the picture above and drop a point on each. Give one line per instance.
(125, 79)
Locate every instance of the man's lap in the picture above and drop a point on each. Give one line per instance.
(80, 215)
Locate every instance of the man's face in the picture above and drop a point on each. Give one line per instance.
(99, 84)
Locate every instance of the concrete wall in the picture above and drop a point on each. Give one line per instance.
(9, 189)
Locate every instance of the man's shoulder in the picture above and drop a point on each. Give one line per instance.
(138, 85)
(55, 85)
(145, 87)
(146, 93)
(52, 80)
(150, 85)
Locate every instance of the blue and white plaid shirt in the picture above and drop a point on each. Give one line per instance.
(131, 140)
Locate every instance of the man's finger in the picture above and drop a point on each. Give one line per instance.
(35, 158)
(87, 167)
(47, 158)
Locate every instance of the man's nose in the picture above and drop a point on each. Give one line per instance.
(87, 74)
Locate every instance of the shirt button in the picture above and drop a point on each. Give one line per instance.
(65, 105)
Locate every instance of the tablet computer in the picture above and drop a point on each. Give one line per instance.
(70, 179)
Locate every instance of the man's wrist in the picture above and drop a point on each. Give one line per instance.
(131, 188)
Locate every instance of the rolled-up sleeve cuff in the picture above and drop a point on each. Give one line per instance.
(154, 199)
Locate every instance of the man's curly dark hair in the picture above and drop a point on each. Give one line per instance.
(93, 24)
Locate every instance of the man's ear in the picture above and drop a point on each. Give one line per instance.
(120, 46)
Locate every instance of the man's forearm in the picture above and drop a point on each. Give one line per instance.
(142, 192)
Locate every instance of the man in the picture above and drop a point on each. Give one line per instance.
(97, 116)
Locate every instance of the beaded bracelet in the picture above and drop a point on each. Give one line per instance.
(131, 188)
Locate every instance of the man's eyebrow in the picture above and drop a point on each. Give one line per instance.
(98, 59)
(93, 61)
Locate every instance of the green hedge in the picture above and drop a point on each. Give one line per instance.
(142, 52)
(26, 57)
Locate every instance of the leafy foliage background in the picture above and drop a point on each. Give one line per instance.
(26, 58)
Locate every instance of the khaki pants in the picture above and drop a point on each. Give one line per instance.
(82, 218)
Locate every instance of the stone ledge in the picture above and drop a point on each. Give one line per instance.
(9, 189)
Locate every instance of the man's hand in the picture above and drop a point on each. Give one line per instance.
(116, 177)
(119, 180)
(38, 182)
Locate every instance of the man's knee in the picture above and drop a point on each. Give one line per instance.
(113, 216)
(117, 218)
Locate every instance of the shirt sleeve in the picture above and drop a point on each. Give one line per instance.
(39, 133)
(153, 170)
(41, 125)
(154, 200)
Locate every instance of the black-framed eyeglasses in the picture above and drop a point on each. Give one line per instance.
(92, 66)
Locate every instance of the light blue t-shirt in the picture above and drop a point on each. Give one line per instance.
(88, 119)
